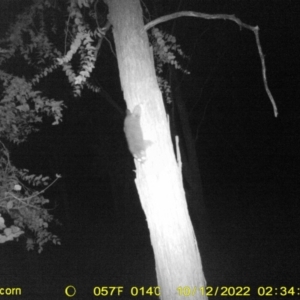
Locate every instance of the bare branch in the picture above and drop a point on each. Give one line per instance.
(254, 29)
(103, 33)
(178, 155)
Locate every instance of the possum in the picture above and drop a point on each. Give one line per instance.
(134, 134)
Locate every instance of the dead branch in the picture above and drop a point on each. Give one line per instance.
(233, 18)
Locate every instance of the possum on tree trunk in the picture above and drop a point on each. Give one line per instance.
(134, 135)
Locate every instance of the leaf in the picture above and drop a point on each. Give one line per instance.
(3, 239)
(9, 205)
(7, 231)
(2, 223)
(24, 107)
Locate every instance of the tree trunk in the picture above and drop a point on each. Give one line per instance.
(180, 126)
(158, 180)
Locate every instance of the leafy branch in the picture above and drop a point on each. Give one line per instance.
(24, 205)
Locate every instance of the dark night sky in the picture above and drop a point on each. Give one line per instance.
(248, 159)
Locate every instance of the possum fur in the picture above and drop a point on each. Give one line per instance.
(134, 135)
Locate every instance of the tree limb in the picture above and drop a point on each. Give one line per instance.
(254, 29)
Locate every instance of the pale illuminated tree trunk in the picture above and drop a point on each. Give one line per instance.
(158, 180)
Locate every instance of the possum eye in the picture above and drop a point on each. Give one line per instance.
(134, 135)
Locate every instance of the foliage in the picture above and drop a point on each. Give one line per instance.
(83, 44)
(9, 233)
(28, 44)
(165, 51)
(21, 107)
(30, 36)
(23, 205)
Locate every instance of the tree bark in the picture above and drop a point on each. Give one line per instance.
(159, 181)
